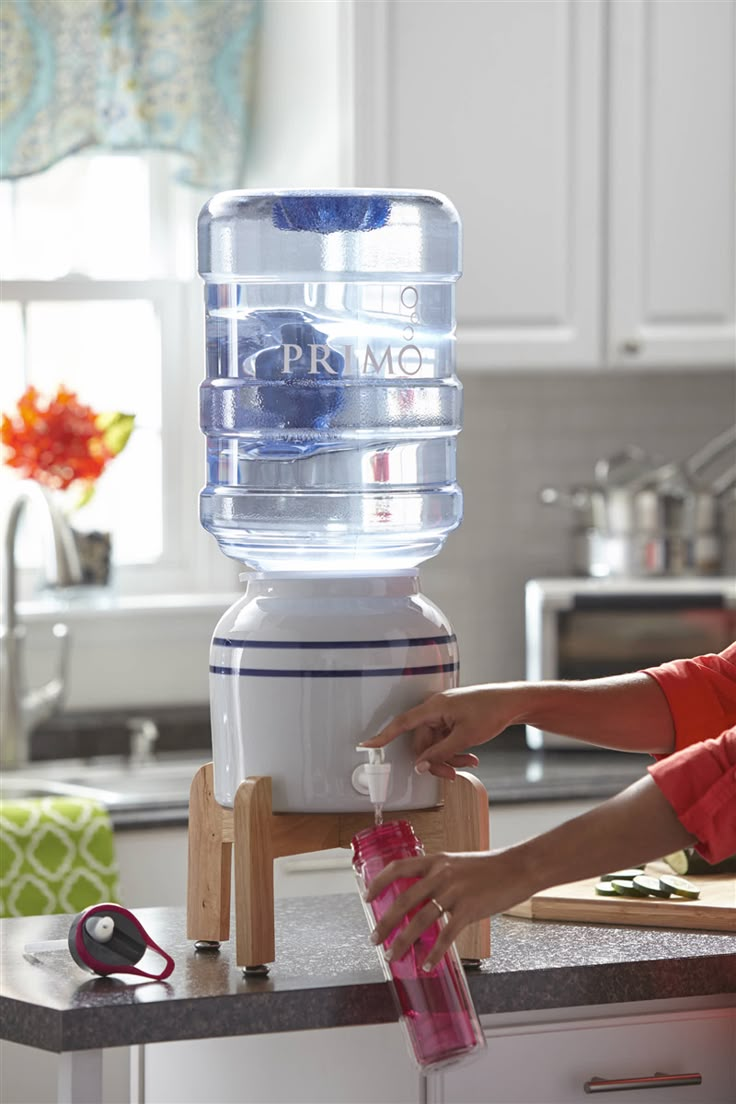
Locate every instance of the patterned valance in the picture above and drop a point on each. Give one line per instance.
(128, 74)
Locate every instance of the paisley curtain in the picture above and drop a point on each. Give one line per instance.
(128, 74)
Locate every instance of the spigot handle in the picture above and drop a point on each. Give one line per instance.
(375, 755)
(373, 777)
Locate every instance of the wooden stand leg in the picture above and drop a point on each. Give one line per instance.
(208, 883)
(254, 912)
(467, 828)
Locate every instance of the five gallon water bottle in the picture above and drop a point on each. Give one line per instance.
(331, 406)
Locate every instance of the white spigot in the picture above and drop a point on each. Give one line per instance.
(372, 778)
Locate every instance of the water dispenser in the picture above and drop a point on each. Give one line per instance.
(331, 411)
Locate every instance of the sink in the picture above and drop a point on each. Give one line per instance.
(115, 782)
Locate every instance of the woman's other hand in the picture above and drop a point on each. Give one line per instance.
(468, 887)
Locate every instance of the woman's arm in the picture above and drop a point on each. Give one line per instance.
(626, 712)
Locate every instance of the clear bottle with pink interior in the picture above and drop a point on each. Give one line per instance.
(435, 1008)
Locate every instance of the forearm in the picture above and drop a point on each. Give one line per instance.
(626, 712)
(635, 826)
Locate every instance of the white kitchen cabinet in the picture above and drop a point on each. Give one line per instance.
(498, 106)
(672, 182)
(347, 1065)
(589, 147)
(532, 1063)
(550, 1063)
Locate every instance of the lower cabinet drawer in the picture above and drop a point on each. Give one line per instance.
(551, 1063)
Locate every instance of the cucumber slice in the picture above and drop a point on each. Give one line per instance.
(690, 862)
(680, 886)
(651, 886)
(627, 875)
(626, 887)
(606, 889)
(678, 861)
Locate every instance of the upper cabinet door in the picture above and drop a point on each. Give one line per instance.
(498, 104)
(672, 241)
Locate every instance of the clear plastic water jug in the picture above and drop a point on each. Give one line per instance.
(331, 406)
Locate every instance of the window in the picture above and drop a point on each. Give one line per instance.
(100, 293)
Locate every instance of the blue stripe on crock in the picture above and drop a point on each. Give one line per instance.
(385, 672)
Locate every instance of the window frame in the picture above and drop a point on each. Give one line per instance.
(190, 563)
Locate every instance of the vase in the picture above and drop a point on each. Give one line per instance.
(95, 556)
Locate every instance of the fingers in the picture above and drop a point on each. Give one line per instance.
(427, 923)
(423, 714)
(444, 750)
(401, 868)
(420, 903)
(465, 760)
(449, 931)
(417, 901)
(446, 769)
(439, 770)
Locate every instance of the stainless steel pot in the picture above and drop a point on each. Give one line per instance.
(637, 519)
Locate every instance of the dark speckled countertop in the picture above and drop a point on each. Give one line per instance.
(327, 975)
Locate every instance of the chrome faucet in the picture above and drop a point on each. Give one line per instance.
(20, 709)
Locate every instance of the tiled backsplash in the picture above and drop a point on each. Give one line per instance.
(524, 431)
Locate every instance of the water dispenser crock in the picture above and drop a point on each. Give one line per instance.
(303, 669)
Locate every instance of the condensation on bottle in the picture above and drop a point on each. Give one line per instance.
(330, 406)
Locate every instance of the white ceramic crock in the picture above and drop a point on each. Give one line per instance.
(303, 668)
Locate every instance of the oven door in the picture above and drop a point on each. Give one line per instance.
(586, 628)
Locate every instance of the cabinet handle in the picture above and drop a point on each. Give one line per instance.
(632, 347)
(656, 1081)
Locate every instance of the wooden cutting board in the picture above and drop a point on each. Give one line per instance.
(714, 910)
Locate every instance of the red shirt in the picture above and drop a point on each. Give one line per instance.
(699, 778)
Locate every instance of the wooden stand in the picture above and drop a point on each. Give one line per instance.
(259, 836)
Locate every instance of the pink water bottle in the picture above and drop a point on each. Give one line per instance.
(435, 1008)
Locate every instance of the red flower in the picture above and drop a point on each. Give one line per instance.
(55, 441)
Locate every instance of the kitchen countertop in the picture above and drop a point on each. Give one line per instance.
(327, 975)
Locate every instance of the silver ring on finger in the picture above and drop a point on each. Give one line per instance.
(438, 906)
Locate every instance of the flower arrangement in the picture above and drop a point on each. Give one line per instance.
(61, 442)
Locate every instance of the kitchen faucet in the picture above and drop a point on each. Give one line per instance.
(20, 709)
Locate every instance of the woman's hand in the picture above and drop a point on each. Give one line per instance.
(446, 724)
(467, 887)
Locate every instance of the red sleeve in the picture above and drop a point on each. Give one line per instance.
(701, 694)
(699, 782)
